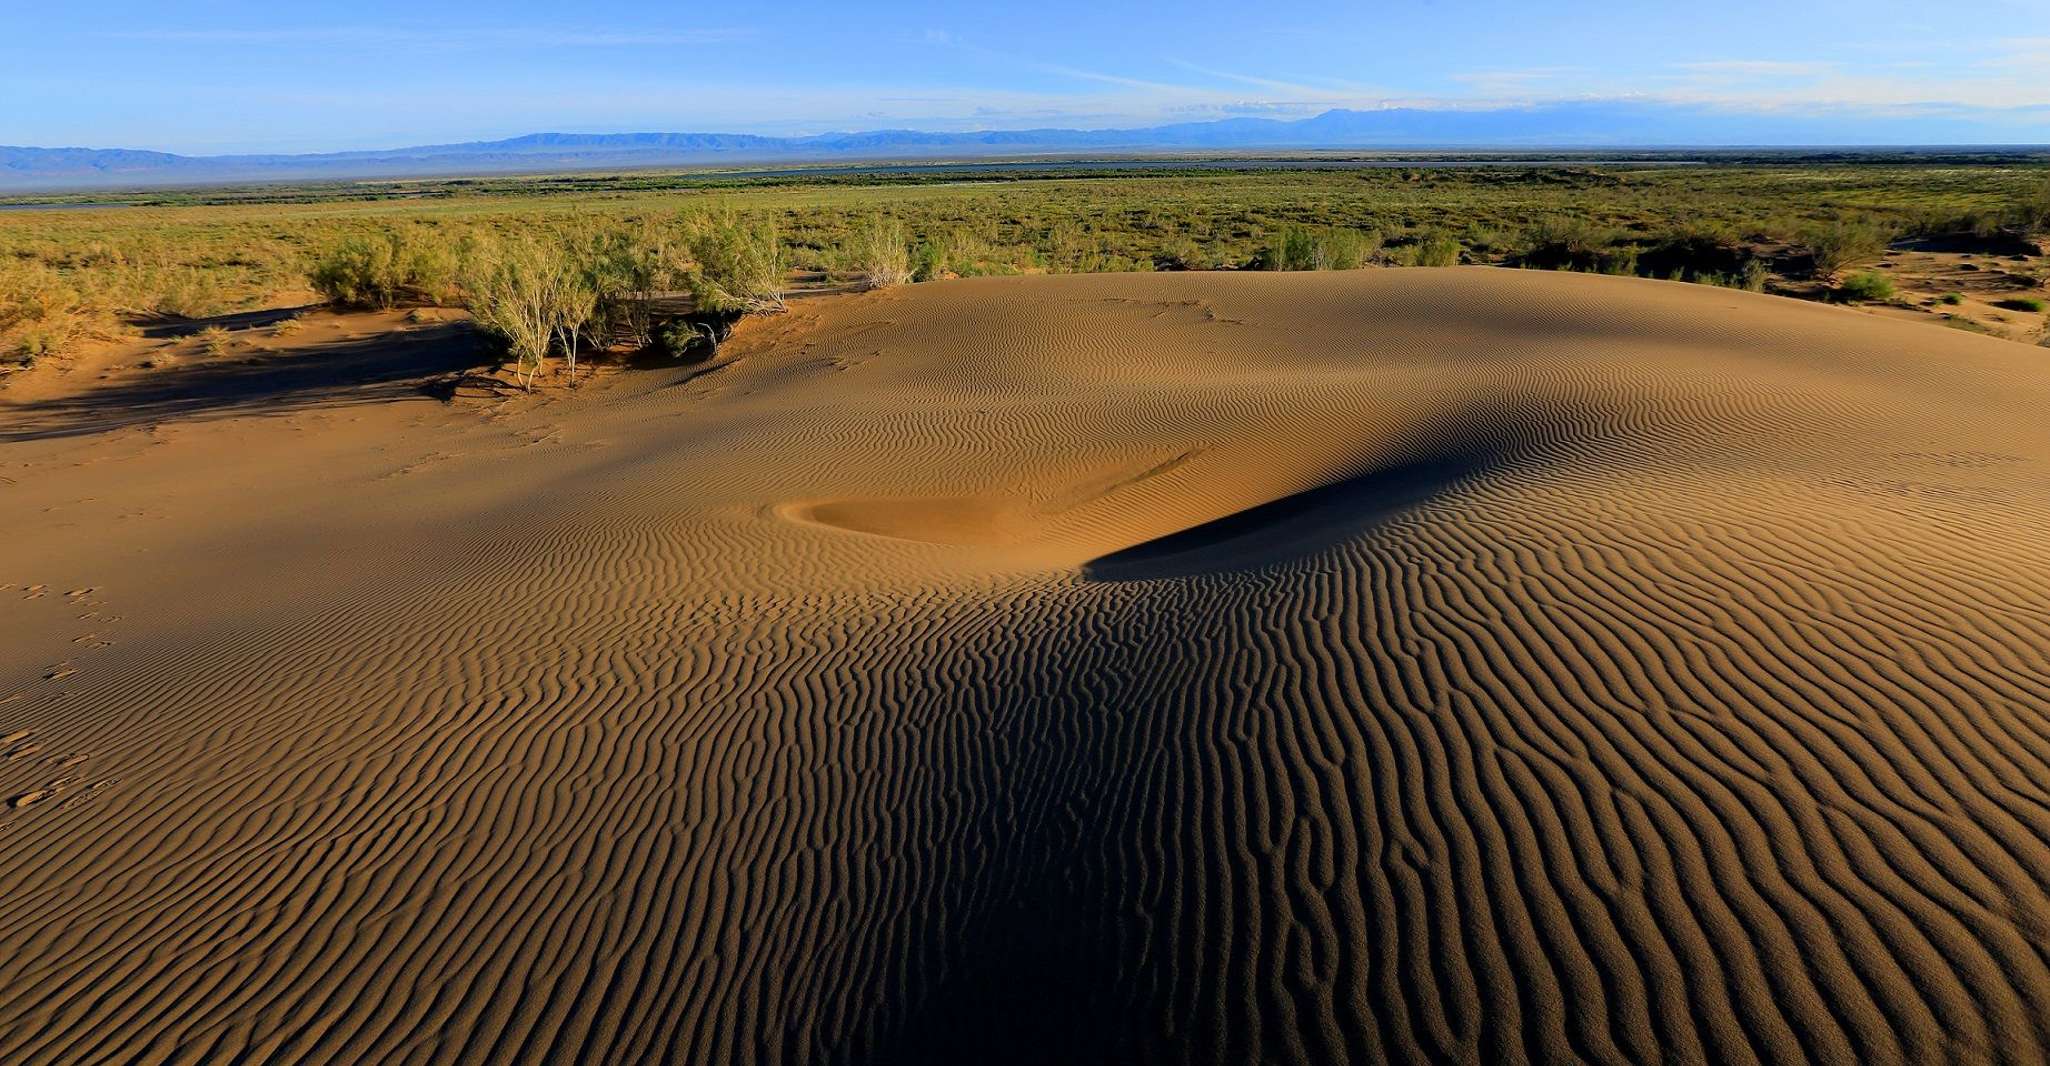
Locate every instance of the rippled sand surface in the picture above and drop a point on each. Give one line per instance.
(1411, 666)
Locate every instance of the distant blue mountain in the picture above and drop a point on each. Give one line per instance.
(1568, 125)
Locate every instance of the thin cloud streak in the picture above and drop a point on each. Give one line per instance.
(1295, 88)
(441, 37)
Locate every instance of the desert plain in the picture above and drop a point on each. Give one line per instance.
(1428, 665)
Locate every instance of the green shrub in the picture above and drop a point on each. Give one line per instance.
(1437, 250)
(1341, 248)
(1179, 253)
(928, 261)
(684, 336)
(2021, 303)
(1844, 243)
(531, 295)
(1304, 248)
(430, 269)
(1489, 239)
(1693, 251)
(736, 264)
(356, 272)
(968, 252)
(380, 270)
(2032, 209)
(627, 266)
(878, 253)
(1564, 243)
(41, 312)
(1290, 248)
(1865, 286)
(1952, 299)
(188, 292)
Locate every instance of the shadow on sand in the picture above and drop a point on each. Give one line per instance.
(1291, 526)
(346, 373)
(161, 327)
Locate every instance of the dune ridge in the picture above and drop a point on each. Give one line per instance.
(1424, 665)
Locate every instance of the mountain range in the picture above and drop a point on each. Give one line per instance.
(1564, 125)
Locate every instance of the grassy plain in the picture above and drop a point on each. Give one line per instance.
(67, 275)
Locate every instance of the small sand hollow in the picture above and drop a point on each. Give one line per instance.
(1386, 666)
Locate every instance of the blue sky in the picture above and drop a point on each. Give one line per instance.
(239, 76)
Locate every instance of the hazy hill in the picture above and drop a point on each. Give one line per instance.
(1593, 124)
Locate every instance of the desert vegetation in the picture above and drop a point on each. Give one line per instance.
(40, 310)
(636, 243)
(528, 294)
(576, 285)
(380, 270)
(736, 264)
(1866, 286)
(878, 253)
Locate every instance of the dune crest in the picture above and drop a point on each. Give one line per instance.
(1420, 665)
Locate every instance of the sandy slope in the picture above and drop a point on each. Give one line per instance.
(1398, 665)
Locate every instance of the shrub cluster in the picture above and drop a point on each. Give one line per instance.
(878, 253)
(736, 264)
(198, 254)
(533, 297)
(1866, 287)
(40, 312)
(1702, 253)
(593, 284)
(1297, 247)
(961, 251)
(1577, 244)
(2032, 209)
(1845, 242)
(381, 270)
(1431, 249)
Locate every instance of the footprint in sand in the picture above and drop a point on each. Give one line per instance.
(28, 799)
(18, 746)
(80, 799)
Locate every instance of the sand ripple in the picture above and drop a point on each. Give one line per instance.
(1411, 666)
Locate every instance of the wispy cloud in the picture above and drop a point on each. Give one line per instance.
(1262, 108)
(1758, 68)
(948, 76)
(1110, 79)
(2026, 54)
(1523, 83)
(1296, 88)
(441, 37)
(2014, 73)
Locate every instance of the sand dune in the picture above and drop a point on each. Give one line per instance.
(1413, 665)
